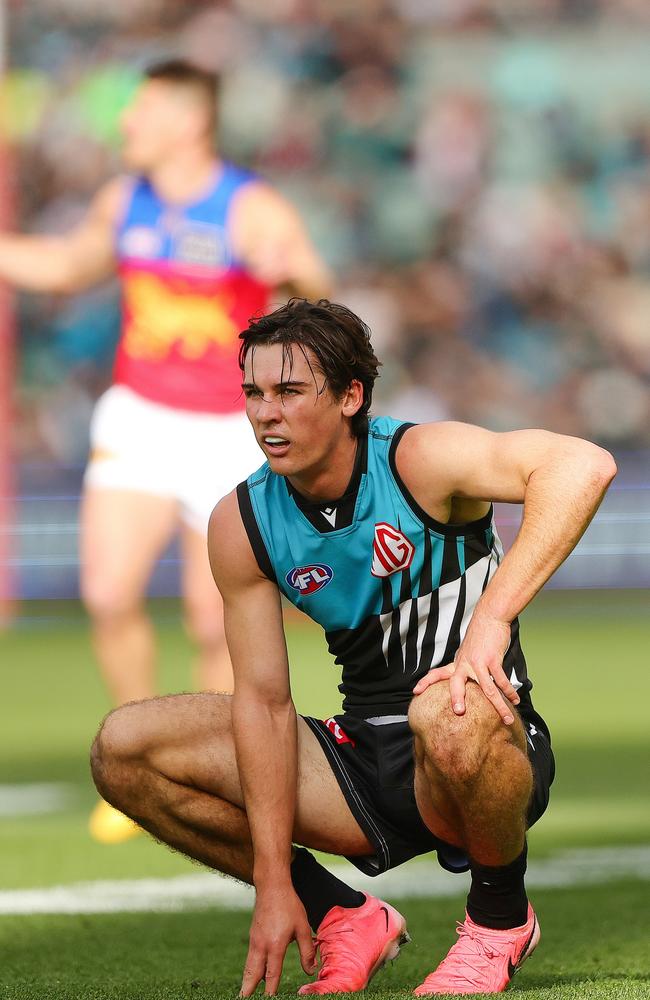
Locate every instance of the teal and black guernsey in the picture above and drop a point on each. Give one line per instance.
(393, 589)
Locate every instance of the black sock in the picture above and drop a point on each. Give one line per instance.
(318, 889)
(497, 897)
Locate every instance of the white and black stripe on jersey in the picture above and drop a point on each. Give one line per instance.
(421, 630)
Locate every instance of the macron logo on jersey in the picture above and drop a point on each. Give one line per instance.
(329, 513)
(308, 579)
(391, 550)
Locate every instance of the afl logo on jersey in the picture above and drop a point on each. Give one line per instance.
(308, 579)
(391, 550)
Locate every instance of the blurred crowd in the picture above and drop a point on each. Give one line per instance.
(477, 173)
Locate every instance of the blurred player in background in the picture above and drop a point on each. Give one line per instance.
(199, 245)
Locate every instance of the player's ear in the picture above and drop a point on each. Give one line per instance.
(352, 398)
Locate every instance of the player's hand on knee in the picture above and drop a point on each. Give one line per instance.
(491, 680)
(278, 919)
(480, 659)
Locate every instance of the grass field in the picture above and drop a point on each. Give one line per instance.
(588, 654)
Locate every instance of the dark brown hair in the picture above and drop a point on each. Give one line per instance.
(336, 337)
(201, 82)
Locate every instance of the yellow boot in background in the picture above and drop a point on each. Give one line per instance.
(109, 826)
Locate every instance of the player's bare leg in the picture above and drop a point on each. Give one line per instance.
(473, 783)
(170, 764)
(122, 535)
(204, 614)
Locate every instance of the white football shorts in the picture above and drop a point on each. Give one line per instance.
(196, 458)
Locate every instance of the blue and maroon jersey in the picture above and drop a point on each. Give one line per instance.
(185, 297)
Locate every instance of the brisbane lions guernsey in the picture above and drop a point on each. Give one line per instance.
(393, 589)
(185, 297)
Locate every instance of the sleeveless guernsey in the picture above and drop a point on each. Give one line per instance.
(393, 589)
(185, 297)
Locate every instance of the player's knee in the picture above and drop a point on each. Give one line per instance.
(426, 708)
(115, 750)
(105, 600)
(457, 746)
(204, 625)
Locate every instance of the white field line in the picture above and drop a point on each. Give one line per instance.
(34, 799)
(424, 879)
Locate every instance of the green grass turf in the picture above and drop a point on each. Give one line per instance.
(588, 655)
(588, 951)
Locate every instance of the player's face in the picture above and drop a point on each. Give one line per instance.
(298, 423)
(152, 126)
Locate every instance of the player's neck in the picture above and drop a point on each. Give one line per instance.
(184, 177)
(331, 478)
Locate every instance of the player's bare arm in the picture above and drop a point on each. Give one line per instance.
(274, 243)
(454, 471)
(73, 261)
(265, 732)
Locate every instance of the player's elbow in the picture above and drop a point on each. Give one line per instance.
(257, 707)
(600, 465)
(591, 469)
(58, 272)
(609, 466)
(67, 279)
(55, 279)
(310, 277)
(322, 285)
(585, 464)
(65, 284)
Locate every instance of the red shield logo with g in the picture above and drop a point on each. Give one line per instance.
(391, 550)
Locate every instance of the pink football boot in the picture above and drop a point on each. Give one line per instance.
(354, 944)
(483, 960)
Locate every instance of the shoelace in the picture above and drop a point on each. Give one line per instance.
(324, 945)
(474, 953)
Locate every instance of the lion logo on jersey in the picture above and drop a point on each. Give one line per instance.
(391, 550)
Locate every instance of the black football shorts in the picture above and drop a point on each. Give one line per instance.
(373, 762)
